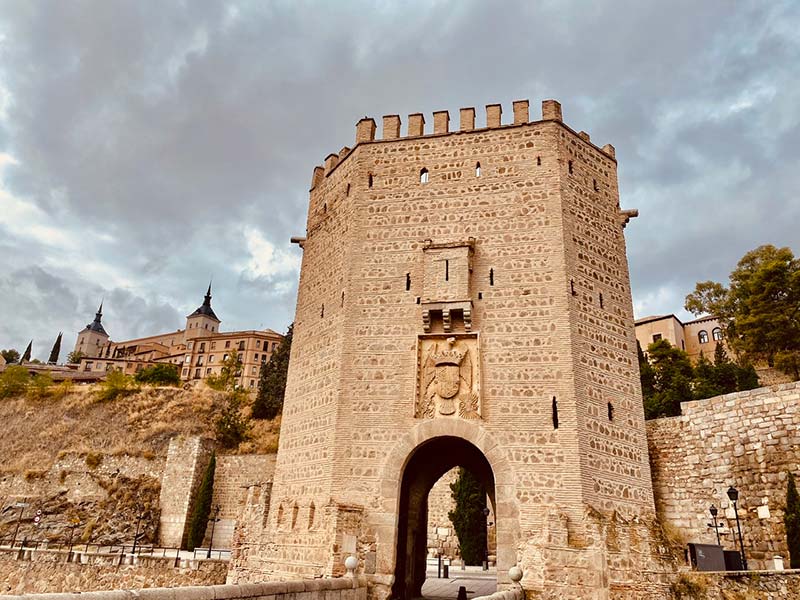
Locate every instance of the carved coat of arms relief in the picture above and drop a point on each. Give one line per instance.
(449, 378)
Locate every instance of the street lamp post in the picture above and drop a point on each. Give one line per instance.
(214, 520)
(713, 510)
(139, 518)
(733, 495)
(486, 547)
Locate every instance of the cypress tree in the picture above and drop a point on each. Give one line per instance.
(791, 519)
(272, 381)
(201, 509)
(54, 353)
(26, 356)
(468, 518)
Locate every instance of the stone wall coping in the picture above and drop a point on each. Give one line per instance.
(690, 406)
(215, 592)
(513, 594)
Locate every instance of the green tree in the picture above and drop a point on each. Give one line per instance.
(648, 377)
(760, 308)
(75, 357)
(467, 516)
(230, 371)
(56, 351)
(672, 377)
(791, 520)
(201, 508)
(11, 356)
(704, 384)
(26, 356)
(232, 427)
(160, 374)
(725, 372)
(272, 381)
(13, 381)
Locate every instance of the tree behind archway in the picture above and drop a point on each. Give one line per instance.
(468, 517)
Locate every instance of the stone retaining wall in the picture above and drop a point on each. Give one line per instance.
(41, 571)
(342, 588)
(747, 439)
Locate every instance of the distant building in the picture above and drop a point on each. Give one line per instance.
(197, 351)
(699, 335)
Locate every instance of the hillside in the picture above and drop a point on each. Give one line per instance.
(77, 458)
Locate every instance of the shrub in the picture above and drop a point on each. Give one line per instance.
(116, 384)
(161, 374)
(40, 386)
(201, 509)
(689, 587)
(93, 460)
(13, 381)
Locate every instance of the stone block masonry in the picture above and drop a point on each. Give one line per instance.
(343, 588)
(747, 439)
(187, 459)
(466, 290)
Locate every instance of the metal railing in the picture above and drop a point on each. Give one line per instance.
(116, 549)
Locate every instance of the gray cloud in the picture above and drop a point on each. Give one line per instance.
(150, 141)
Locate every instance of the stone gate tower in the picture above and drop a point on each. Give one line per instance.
(464, 300)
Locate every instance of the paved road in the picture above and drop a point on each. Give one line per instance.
(477, 582)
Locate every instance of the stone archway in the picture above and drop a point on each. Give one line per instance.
(412, 467)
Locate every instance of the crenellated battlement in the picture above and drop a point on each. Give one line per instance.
(367, 130)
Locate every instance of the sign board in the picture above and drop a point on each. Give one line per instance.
(707, 557)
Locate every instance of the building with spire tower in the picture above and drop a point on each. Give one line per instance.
(197, 351)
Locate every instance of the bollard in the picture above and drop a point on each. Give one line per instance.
(462, 593)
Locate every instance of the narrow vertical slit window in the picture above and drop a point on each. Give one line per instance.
(538, 161)
(601, 299)
(555, 413)
(491, 277)
(569, 165)
(572, 287)
(342, 302)
(322, 312)
(610, 411)
(423, 176)
(408, 282)
(347, 191)
(477, 169)
(594, 185)
(447, 270)
(370, 180)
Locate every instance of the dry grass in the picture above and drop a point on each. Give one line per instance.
(140, 424)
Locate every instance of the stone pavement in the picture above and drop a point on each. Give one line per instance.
(477, 582)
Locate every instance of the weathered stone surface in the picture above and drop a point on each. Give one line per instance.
(748, 440)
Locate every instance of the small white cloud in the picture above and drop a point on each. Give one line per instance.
(265, 260)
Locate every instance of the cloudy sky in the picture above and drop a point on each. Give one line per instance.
(146, 147)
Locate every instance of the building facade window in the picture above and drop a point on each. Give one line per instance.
(656, 337)
(716, 333)
(423, 176)
(703, 336)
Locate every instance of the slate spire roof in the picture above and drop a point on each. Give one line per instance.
(96, 325)
(205, 308)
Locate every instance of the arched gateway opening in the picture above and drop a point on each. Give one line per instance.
(426, 464)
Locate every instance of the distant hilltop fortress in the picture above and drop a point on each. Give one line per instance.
(198, 350)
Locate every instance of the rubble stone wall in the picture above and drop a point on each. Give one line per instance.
(746, 439)
(47, 571)
(234, 475)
